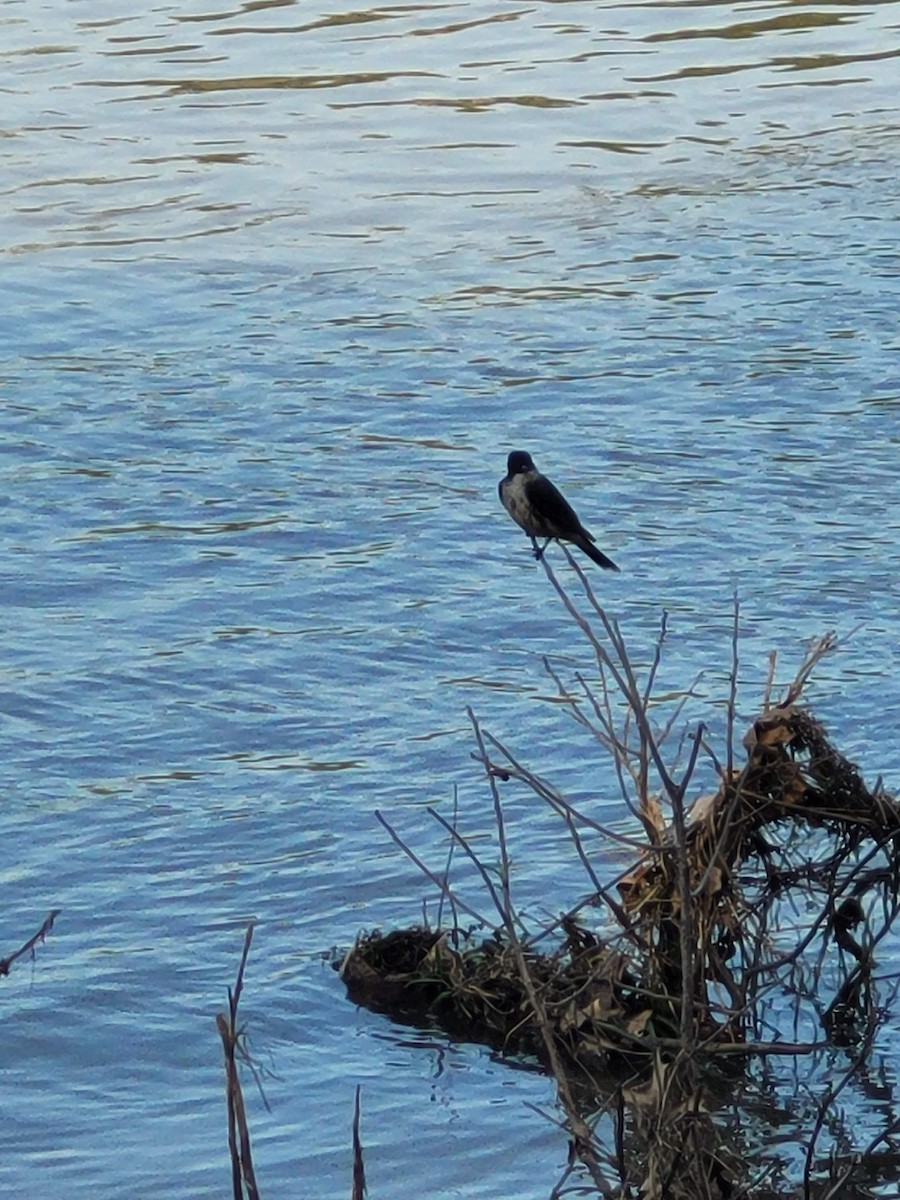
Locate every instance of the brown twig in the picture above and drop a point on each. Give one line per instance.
(827, 1103)
(686, 922)
(29, 946)
(572, 817)
(439, 883)
(552, 796)
(770, 680)
(619, 668)
(447, 865)
(466, 846)
(358, 1190)
(817, 650)
(732, 691)
(242, 1174)
(579, 1130)
(713, 917)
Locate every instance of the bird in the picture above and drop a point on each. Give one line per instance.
(538, 507)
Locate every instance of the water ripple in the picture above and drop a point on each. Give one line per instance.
(283, 287)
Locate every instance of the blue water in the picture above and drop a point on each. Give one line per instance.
(281, 291)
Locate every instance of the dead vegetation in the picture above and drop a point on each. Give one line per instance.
(243, 1176)
(30, 946)
(749, 913)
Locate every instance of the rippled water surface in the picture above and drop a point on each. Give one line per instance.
(282, 286)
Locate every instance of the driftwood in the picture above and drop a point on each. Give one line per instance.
(637, 1012)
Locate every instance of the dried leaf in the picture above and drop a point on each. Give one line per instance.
(638, 1023)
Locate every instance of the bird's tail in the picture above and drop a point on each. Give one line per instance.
(597, 555)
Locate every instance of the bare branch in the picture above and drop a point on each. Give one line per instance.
(358, 1191)
(31, 944)
(242, 1173)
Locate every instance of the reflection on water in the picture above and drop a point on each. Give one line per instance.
(283, 288)
(187, 130)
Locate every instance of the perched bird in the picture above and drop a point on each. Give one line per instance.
(542, 511)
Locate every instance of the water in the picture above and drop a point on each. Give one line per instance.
(283, 285)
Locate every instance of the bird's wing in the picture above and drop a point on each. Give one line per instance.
(550, 504)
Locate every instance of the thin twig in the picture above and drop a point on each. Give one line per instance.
(439, 883)
(618, 746)
(548, 793)
(571, 815)
(242, 1173)
(482, 870)
(447, 866)
(621, 671)
(732, 691)
(827, 1103)
(358, 1190)
(687, 937)
(816, 651)
(579, 1129)
(29, 946)
(770, 681)
(643, 751)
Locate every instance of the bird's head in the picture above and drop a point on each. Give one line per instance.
(518, 462)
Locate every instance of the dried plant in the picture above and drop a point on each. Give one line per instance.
(30, 946)
(708, 948)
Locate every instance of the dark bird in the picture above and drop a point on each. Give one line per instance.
(538, 506)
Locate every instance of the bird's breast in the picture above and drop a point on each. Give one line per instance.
(516, 502)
